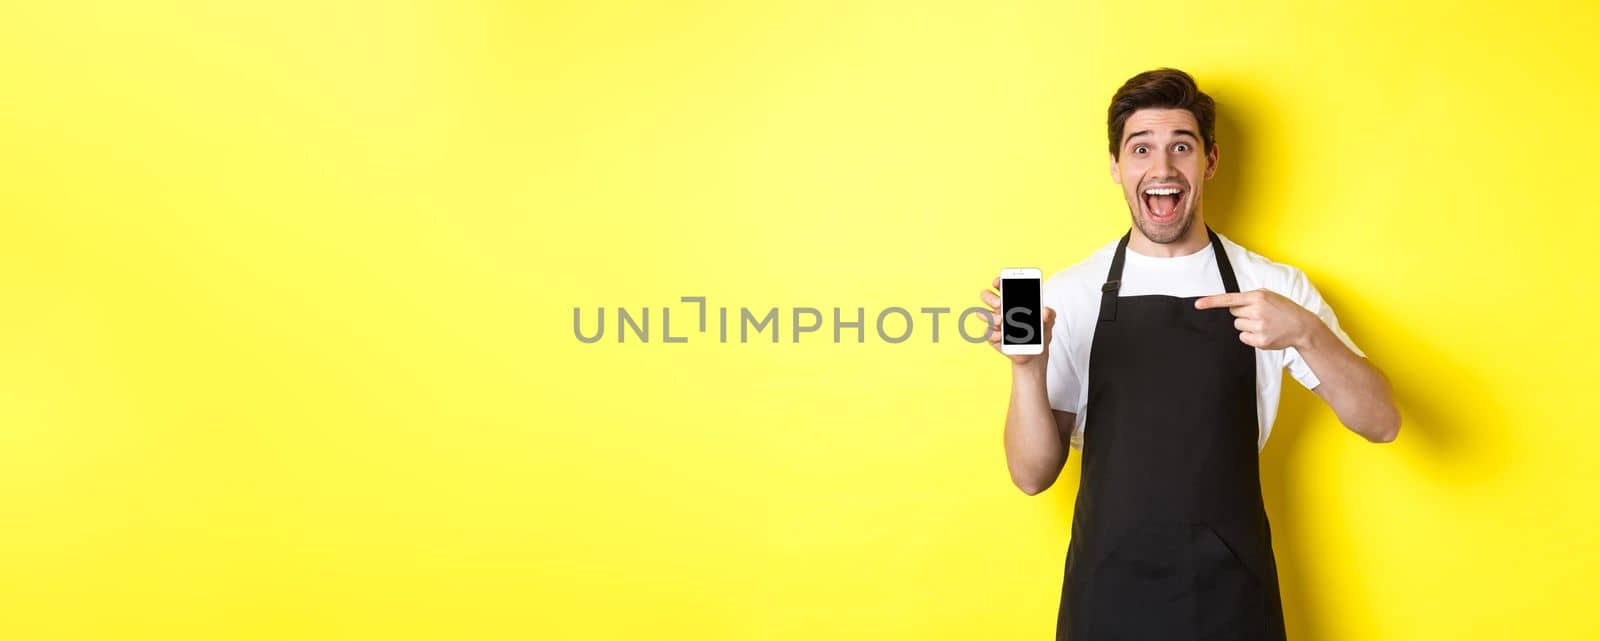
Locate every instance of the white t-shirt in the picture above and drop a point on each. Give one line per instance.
(1074, 293)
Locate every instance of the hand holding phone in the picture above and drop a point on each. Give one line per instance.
(1020, 326)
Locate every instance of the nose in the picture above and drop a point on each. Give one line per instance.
(1161, 165)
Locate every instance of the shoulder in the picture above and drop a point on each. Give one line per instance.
(1082, 279)
(1259, 272)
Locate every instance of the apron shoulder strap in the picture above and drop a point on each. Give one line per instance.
(1108, 291)
(1229, 282)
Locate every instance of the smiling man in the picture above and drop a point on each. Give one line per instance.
(1164, 367)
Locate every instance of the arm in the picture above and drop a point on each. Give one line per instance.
(1036, 435)
(1358, 393)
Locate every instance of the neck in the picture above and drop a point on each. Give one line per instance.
(1195, 240)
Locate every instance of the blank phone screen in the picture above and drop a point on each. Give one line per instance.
(1020, 320)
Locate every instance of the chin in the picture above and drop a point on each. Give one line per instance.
(1162, 233)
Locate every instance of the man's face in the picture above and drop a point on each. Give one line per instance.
(1162, 170)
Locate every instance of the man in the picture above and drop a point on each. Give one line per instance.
(1164, 368)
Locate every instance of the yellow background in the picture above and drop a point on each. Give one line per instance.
(288, 291)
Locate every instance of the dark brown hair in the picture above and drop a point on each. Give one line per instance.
(1162, 88)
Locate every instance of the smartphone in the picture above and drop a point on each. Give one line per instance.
(1021, 313)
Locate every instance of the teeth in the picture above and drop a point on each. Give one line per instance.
(1161, 191)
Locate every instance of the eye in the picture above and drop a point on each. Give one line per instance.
(1139, 149)
(1182, 146)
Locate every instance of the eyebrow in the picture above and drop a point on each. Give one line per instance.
(1146, 132)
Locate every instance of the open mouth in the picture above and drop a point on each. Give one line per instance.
(1161, 203)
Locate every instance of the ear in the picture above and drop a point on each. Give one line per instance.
(1211, 161)
(1116, 176)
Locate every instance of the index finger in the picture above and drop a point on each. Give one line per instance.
(1221, 300)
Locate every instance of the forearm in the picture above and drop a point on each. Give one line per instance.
(1356, 390)
(1034, 451)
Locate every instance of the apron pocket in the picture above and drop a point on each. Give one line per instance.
(1229, 601)
(1174, 582)
(1141, 590)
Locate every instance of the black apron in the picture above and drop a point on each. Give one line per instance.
(1170, 540)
